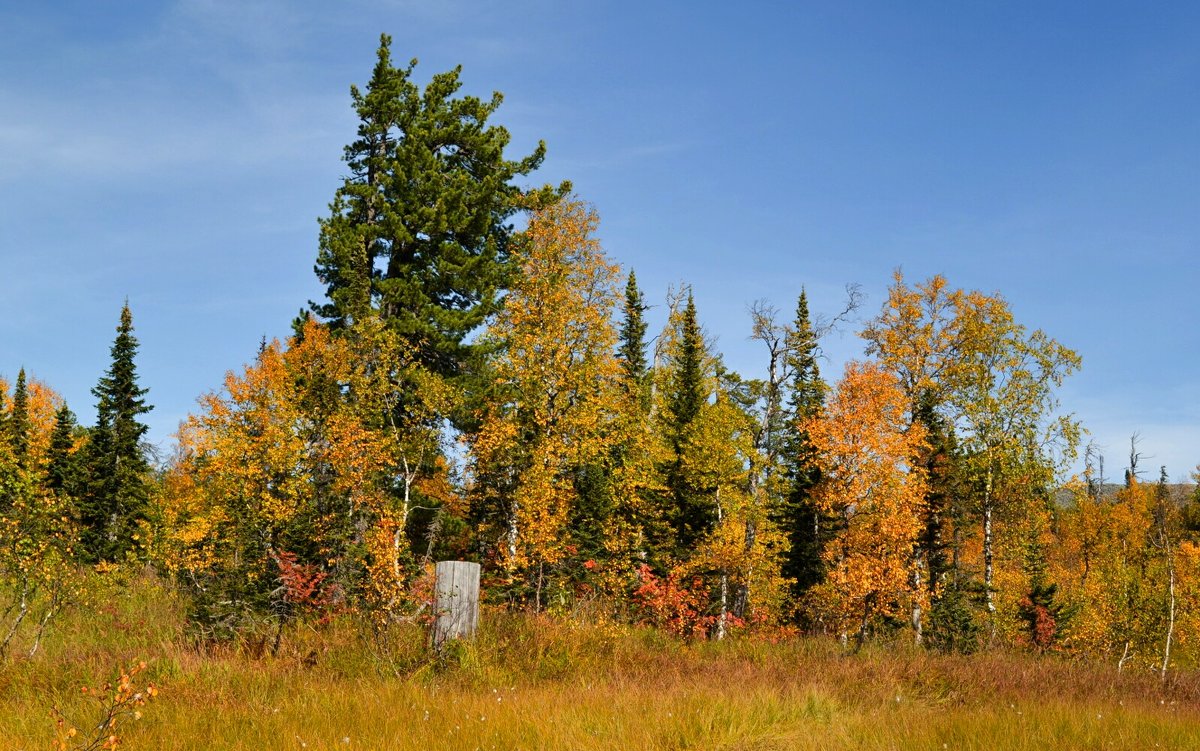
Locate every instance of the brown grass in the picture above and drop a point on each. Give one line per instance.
(536, 683)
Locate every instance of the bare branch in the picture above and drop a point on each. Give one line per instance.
(854, 300)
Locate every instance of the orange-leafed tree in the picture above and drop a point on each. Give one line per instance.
(298, 465)
(555, 392)
(866, 441)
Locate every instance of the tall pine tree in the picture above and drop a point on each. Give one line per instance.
(806, 528)
(640, 532)
(632, 351)
(18, 422)
(419, 233)
(117, 491)
(694, 514)
(950, 625)
(62, 466)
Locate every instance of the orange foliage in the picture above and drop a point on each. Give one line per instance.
(865, 443)
(288, 448)
(43, 402)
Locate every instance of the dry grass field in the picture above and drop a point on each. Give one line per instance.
(533, 683)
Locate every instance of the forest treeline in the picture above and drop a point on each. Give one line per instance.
(470, 390)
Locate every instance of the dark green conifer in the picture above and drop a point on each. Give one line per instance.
(687, 374)
(117, 485)
(18, 422)
(950, 626)
(807, 529)
(940, 512)
(419, 233)
(632, 352)
(62, 468)
(693, 512)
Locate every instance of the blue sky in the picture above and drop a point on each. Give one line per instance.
(178, 154)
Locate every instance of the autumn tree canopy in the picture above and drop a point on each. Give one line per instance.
(557, 384)
(473, 388)
(866, 440)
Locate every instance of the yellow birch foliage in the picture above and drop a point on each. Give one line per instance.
(1114, 569)
(1023, 552)
(1187, 574)
(43, 404)
(744, 548)
(864, 442)
(289, 455)
(638, 526)
(556, 385)
(38, 576)
(964, 353)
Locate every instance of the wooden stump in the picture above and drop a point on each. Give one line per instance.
(456, 601)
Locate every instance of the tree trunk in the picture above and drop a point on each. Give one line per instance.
(23, 610)
(916, 615)
(722, 617)
(1166, 661)
(989, 563)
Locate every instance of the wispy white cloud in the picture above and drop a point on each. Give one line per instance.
(208, 86)
(625, 155)
(132, 137)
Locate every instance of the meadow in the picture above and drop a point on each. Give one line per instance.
(531, 682)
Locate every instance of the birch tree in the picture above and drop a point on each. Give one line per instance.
(866, 441)
(557, 383)
(963, 354)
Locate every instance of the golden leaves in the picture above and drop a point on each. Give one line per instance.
(865, 444)
(301, 436)
(556, 379)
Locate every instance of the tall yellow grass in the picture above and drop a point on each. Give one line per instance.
(532, 683)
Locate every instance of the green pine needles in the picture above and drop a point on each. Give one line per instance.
(117, 491)
(419, 233)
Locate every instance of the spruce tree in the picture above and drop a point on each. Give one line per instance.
(940, 513)
(694, 514)
(62, 468)
(687, 374)
(18, 422)
(806, 528)
(950, 626)
(419, 233)
(117, 485)
(632, 352)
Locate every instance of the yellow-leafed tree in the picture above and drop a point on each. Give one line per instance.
(293, 485)
(555, 393)
(38, 574)
(743, 551)
(967, 366)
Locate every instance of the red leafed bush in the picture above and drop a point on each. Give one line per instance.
(304, 585)
(676, 603)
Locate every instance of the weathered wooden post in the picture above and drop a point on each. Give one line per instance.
(456, 601)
